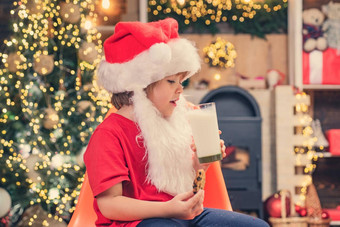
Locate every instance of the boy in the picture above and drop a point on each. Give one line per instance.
(139, 160)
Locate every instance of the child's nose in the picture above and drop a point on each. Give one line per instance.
(180, 89)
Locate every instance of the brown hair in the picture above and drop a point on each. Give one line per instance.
(120, 99)
(124, 98)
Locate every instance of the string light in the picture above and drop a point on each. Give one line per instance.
(181, 2)
(39, 23)
(215, 10)
(88, 24)
(306, 151)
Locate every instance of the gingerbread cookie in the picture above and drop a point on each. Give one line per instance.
(199, 181)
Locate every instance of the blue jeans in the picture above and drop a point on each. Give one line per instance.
(208, 218)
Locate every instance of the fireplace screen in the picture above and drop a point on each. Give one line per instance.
(237, 159)
(239, 119)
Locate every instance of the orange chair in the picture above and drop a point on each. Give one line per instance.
(84, 215)
(216, 196)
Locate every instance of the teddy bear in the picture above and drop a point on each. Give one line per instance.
(332, 24)
(313, 36)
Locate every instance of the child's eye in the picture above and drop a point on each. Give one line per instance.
(171, 81)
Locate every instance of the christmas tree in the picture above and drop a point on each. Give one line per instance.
(49, 105)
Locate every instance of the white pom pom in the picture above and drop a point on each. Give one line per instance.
(160, 53)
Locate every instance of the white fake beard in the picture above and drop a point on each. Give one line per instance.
(167, 143)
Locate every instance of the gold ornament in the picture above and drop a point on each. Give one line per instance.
(220, 53)
(69, 12)
(51, 118)
(91, 89)
(35, 6)
(84, 106)
(36, 216)
(30, 164)
(44, 64)
(88, 52)
(88, 87)
(13, 62)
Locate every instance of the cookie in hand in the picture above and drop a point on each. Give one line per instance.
(199, 182)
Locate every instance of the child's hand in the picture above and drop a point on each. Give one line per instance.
(197, 165)
(186, 205)
(223, 148)
(205, 166)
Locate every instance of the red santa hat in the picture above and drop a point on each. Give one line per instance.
(138, 54)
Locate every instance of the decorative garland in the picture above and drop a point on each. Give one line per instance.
(220, 53)
(256, 17)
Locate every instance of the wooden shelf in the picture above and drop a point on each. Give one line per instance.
(324, 154)
(295, 44)
(337, 223)
(321, 87)
(106, 28)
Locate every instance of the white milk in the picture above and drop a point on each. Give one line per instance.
(205, 132)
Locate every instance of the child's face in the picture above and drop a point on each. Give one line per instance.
(166, 92)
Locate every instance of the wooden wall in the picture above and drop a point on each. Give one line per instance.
(307, 4)
(254, 57)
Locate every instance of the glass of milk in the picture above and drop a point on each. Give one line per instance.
(203, 122)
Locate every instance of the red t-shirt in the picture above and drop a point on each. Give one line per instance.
(115, 154)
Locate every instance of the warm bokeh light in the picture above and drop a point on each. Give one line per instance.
(305, 154)
(88, 24)
(213, 10)
(106, 4)
(46, 82)
(217, 76)
(181, 2)
(220, 53)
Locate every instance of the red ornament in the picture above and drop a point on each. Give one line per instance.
(273, 206)
(324, 215)
(298, 208)
(303, 212)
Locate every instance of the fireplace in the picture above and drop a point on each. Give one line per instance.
(327, 181)
(240, 120)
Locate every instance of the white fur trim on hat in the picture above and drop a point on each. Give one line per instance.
(160, 53)
(159, 61)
